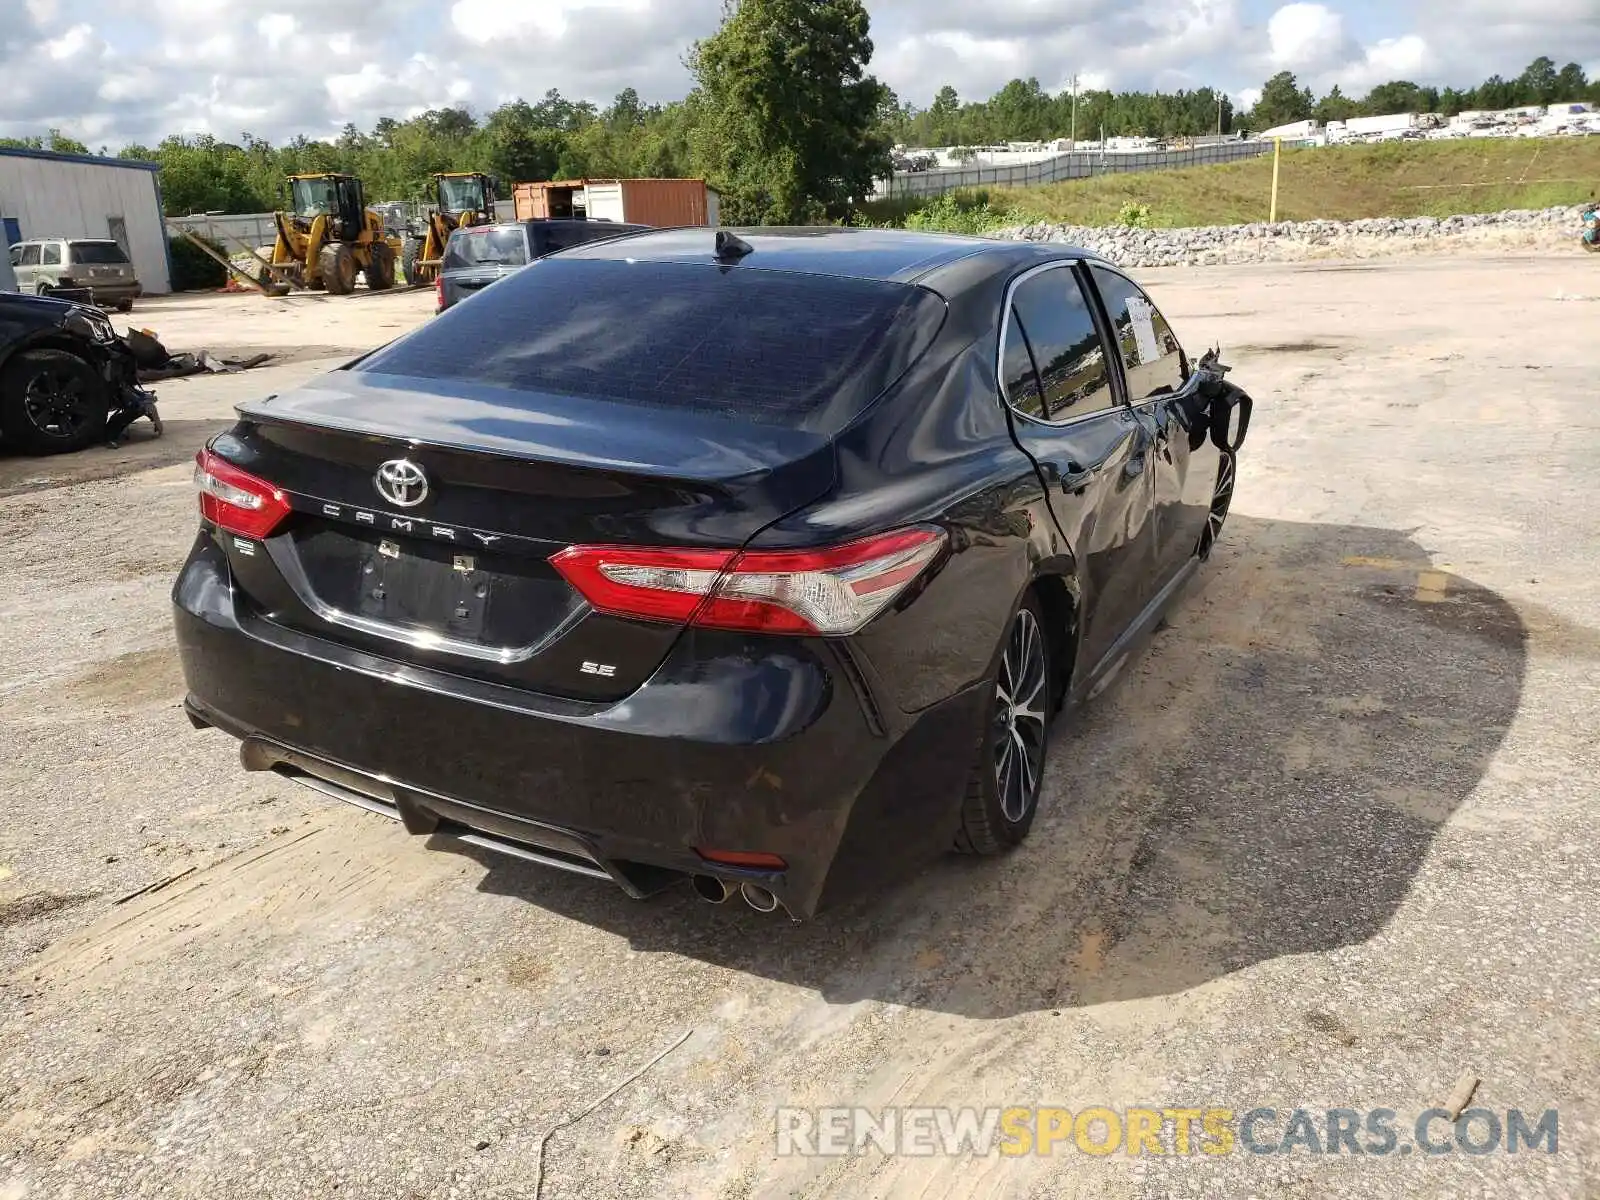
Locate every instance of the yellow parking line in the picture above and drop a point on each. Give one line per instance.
(1432, 585)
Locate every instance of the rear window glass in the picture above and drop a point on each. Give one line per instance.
(773, 347)
(489, 247)
(97, 252)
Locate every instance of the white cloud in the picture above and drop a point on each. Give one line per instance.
(1306, 36)
(120, 71)
(70, 44)
(277, 28)
(1408, 57)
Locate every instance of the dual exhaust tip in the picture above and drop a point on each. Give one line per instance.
(716, 891)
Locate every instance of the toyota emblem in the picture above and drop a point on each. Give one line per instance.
(402, 483)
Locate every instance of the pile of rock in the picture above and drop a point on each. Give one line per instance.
(1288, 241)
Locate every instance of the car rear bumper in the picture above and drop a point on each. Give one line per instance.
(775, 746)
(108, 292)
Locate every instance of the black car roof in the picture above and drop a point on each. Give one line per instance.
(891, 255)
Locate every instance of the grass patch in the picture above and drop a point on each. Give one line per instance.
(970, 211)
(1343, 183)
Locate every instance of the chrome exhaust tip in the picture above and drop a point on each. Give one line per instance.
(711, 889)
(758, 898)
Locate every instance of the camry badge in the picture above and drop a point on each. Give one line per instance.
(401, 482)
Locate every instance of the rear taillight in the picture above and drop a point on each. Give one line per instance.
(438, 293)
(831, 591)
(236, 500)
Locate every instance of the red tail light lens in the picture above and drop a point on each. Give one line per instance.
(236, 500)
(438, 292)
(753, 859)
(832, 591)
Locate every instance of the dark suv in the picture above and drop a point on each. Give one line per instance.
(475, 258)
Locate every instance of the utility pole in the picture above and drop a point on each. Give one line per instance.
(1074, 110)
(1219, 117)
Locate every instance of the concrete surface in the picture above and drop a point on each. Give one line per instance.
(1330, 844)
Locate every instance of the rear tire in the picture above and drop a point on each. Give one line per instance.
(380, 268)
(1013, 745)
(124, 306)
(410, 251)
(338, 270)
(51, 402)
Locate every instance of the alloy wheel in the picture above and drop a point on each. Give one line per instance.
(1019, 717)
(1221, 498)
(57, 402)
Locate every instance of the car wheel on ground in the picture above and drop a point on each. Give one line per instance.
(1003, 792)
(409, 253)
(124, 306)
(51, 402)
(380, 268)
(338, 270)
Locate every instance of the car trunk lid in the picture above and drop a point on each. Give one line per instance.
(457, 576)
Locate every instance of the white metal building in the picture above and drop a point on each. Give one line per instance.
(46, 194)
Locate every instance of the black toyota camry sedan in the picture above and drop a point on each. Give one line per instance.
(762, 560)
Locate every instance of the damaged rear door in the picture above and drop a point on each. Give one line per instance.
(1092, 453)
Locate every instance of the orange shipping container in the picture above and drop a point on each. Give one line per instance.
(659, 202)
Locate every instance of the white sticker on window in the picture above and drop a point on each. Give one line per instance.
(1144, 329)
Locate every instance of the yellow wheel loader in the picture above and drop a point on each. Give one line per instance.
(464, 199)
(329, 235)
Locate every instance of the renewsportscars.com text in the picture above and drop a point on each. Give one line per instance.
(1101, 1131)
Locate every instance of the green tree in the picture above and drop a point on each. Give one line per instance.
(787, 117)
(942, 117)
(1571, 84)
(521, 146)
(1282, 102)
(1336, 106)
(1538, 83)
(1398, 96)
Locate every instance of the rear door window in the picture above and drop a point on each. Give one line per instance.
(766, 346)
(99, 253)
(1017, 372)
(1066, 345)
(52, 255)
(1151, 357)
(559, 237)
(492, 246)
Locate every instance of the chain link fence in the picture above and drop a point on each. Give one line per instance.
(1074, 164)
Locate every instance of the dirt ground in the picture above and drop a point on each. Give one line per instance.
(1329, 844)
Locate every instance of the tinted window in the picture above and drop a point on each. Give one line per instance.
(97, 252)
(16, 255)
(52, 255)
(773, 347)
(1150, 354)
(30, 256)
(1066, 344)
(488, 246)
(1017, 371)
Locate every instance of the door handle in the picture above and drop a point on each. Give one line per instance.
(1076, 479)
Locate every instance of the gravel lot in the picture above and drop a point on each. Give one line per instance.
(1330, 844)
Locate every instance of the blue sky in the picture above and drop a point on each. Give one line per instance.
(113, 72)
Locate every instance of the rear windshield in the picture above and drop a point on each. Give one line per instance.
(490, 247)
(97, 252)
(774, 347)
